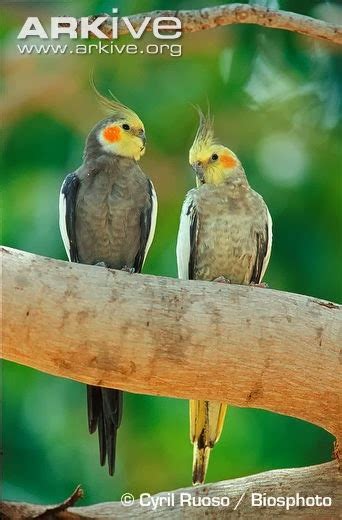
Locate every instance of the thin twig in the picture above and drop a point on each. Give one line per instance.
(210, 17)
(69, 502)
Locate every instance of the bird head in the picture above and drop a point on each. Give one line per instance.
(122, 133)
(212, 162)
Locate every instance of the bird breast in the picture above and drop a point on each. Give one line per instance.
(228, 223)
(108, 218)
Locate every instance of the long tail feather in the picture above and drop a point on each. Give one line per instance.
(104, 414)
(94, 406)
(206, 423)
(102, 438)
(200, 464)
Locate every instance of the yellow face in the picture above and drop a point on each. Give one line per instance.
(124, 137)
(213, 163)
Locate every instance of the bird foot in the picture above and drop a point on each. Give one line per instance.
(101, 264)
(263, 285)
(127, 269)
(222, 279)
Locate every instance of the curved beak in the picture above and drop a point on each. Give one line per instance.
(141, 134)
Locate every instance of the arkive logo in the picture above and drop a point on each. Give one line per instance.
(163, 27)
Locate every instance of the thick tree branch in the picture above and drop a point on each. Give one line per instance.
(210, 17)
(323, 480)
(247, 346)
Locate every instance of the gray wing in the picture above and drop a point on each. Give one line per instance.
(67, 208)
(187, 239)
(148, 219)
(263, 251)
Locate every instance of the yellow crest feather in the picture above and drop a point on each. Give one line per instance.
(204, 137)
(113, 106)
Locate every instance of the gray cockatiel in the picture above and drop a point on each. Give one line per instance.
(225, 233)
(108, 210)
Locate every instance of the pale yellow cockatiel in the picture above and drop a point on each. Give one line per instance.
(225, 234)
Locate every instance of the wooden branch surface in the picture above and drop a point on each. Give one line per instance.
(210, 17)
(244, 345)
(323, 480)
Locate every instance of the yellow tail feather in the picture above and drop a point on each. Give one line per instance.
(200, 464)
(206, 423)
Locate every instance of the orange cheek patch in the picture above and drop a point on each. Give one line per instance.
(112, 134)
(228, 161)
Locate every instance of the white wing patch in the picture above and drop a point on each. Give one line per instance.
(183, 249)
(62, 221)
(154, 213)
(269, 245)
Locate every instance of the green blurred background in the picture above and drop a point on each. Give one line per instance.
(276, 97)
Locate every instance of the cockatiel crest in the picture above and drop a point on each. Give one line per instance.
(212, 162)
(204, 137)
(123, 132)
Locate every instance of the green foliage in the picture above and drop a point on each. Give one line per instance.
(276, 104)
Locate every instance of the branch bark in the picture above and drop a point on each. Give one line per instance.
(211, 17)
(244, 345)
(323, 480)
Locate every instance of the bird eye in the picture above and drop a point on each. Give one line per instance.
(214, 157)
(125, 126)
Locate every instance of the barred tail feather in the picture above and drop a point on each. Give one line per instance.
(200, 464)
(206, 424)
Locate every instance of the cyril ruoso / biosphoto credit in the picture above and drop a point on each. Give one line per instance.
(171, 259)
